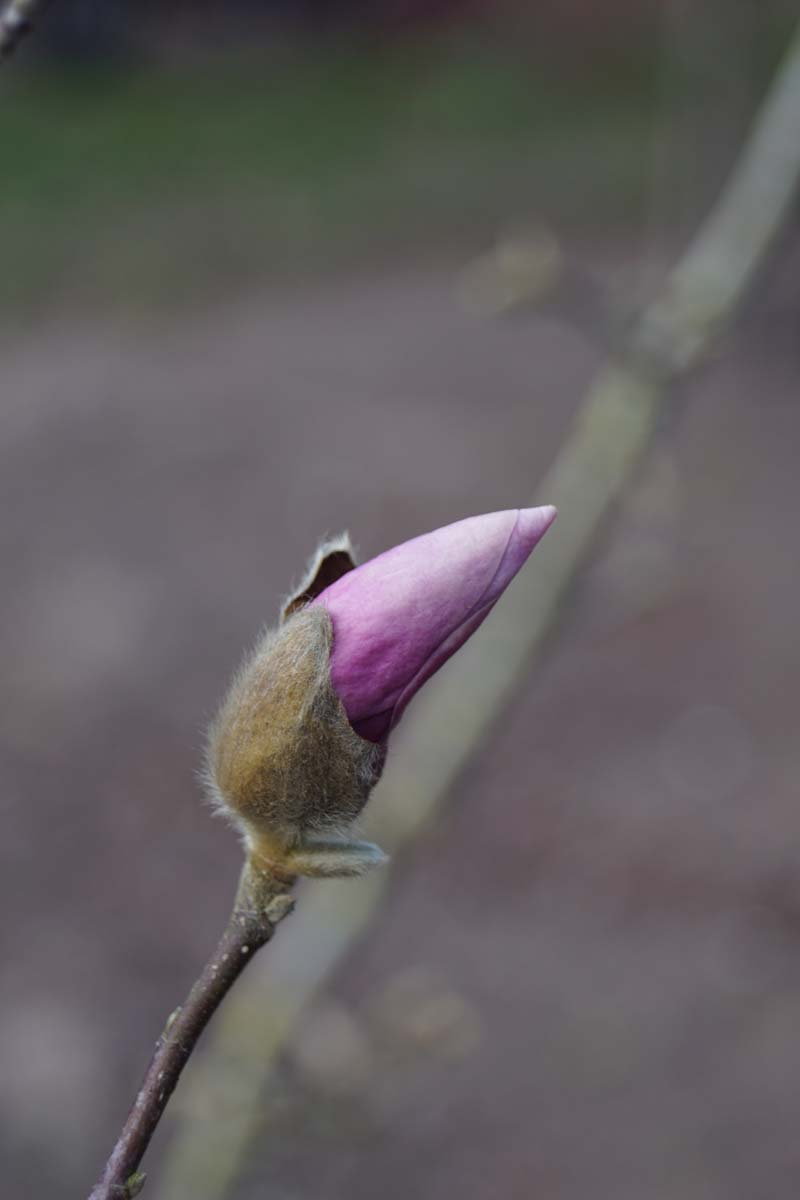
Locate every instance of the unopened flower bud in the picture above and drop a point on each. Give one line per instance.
(398, 618)
(299, 741)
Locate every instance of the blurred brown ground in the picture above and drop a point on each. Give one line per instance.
(585, 980)
(609, 907)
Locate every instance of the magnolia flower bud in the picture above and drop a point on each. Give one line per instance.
(398, 618)
(299, 741)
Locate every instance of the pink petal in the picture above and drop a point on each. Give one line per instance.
(399, 617)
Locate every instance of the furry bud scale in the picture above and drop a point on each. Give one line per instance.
(285, 763)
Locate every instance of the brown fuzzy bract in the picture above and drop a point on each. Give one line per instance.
(283, 760)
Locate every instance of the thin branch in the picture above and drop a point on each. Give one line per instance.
(15, 21)
(453, 714)
(261, 902)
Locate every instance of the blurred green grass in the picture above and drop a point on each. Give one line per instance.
(150, 186)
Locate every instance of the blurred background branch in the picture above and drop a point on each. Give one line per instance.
(15, 21)
(612, 433)
(530, 272)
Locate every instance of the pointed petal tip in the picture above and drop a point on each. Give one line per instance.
(533, 523)
(545, 512)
